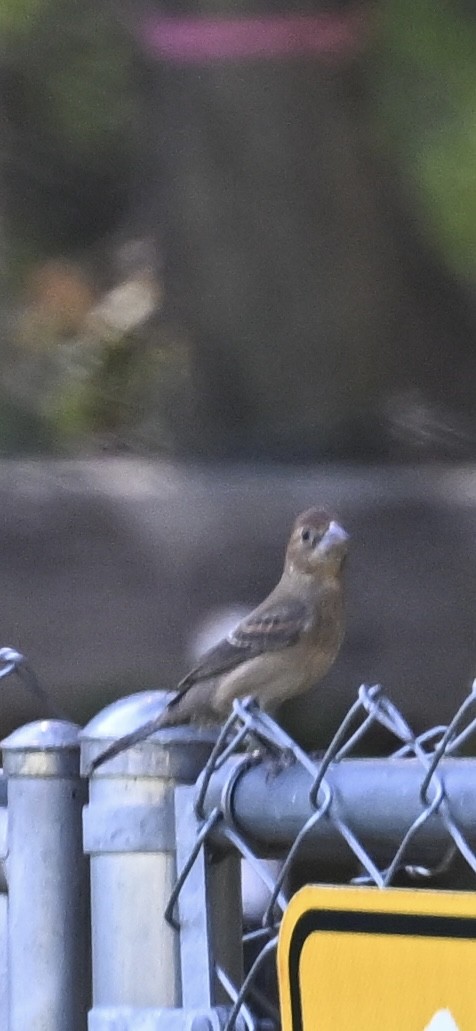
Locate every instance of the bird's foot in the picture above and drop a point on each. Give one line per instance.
(277, 763)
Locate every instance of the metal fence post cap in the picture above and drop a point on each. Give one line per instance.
(176, 753)
(44, 748)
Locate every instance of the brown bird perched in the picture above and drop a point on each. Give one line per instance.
(281, 649)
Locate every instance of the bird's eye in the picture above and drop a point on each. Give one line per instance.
(306, 535)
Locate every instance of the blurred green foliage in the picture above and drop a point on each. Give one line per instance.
(18, 17)
(80, 62)
(80, 125)
(91, 95)
(73, 102)
(78, 70)
(424, 92)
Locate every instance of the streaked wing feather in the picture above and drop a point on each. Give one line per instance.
(272, 628)
(268, 628)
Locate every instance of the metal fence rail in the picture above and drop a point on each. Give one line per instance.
(155, 917)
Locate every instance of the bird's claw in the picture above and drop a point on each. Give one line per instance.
(280, 761)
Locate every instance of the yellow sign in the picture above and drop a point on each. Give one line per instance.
(370, 959)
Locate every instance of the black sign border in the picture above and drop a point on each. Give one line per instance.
(350, 921)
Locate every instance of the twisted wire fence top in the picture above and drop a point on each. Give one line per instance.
(13, 662)
(429, 753)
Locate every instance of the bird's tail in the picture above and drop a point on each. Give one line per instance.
(128, 740)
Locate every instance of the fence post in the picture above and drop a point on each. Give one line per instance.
(130, 834)
(209, 911)
(3, 904)
(47, 876)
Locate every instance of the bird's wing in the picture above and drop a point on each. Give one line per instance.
(271, 627)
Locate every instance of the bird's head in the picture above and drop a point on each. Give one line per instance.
(318, 544)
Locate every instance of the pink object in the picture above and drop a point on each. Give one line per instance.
(199, 40)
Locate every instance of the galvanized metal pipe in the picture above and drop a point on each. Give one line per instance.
(47, 874)
(4, 1018)
(210, 914)
(378, 799)
(3, 904)
(130, 835)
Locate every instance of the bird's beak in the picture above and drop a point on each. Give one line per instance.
(335, 536)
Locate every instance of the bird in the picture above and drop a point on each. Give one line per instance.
(281, 649)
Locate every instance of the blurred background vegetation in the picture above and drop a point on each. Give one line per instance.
(262, 263)
(258, 258)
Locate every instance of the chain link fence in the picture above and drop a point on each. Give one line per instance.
(169, 824)
(403, 815)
